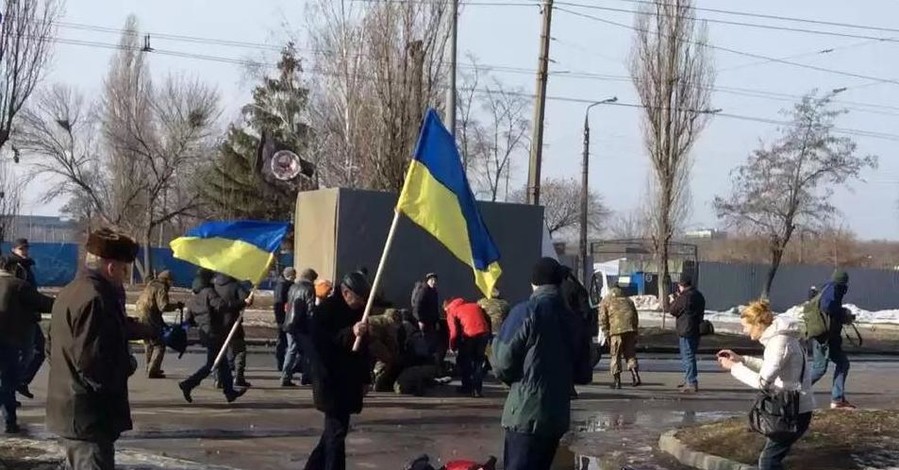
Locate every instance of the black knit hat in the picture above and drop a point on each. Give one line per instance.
(547, 271)
(357, 283)
(685, 280)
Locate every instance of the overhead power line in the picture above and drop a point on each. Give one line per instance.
(738, 52)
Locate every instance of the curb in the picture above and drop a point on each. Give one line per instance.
(670, 444)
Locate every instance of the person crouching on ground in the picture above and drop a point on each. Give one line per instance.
(207, 312)
(340, 376)
(783, 367)
(470, 332)
(90, 360)
(152, 303)
(541, 350)
(619, 321)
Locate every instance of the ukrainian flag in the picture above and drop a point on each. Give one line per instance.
(437, 197)
(242, 249)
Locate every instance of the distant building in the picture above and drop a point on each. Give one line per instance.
(705, 234)
(43, 229)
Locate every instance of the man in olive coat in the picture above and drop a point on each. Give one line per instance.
(90, 361)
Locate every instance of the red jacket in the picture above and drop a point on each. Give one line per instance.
(469, 316)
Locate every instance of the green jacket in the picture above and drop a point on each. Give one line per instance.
(541, 349)
(497, 310)
(617, 313)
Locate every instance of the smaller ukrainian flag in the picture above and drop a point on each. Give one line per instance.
(437, 197)
(242, 249)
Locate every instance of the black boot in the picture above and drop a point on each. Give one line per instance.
(616, 384)
(635, 377)
(185, 390)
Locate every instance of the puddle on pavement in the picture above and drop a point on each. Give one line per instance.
(628, 439)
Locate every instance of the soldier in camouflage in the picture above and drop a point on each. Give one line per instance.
(150, 306)
(497, 309)
(619, 320)
(384, 346)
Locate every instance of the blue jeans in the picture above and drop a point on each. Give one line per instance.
(32, 355)
(823, 353)
(774, 452)
(223, 371)
(529, 451)
(688, 348)
(9, 381)
(293, 359)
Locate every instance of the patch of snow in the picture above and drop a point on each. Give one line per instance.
(646, 302)
(795, 312)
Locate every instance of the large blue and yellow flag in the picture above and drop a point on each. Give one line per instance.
(437, 197)
(241, 249)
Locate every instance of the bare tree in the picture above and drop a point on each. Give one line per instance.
(382, 65)
(560, 199)
(787, 185)
(630, 224)
(673, 75)
(10, 200)
(27, 31)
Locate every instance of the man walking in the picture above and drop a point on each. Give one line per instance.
(207, 313)
(20, 311)
(282, 287)
(829, 346)
(152, 303)
(619, 321)
(31, 354)
(689, 310)
(542, 348)
(90, 361)
(470, 331)
(341, 375)
(233, 292)
(300, 306)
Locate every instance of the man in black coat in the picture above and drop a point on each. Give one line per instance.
(301, 302)
(233, 292)
(341, 376)
(282, 287)
(32, 351)
(689, 310)
(426, 309)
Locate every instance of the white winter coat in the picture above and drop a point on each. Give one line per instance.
(781, 365)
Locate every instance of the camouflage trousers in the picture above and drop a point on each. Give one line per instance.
(623, 347)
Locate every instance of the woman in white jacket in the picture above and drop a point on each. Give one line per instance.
(781, 368)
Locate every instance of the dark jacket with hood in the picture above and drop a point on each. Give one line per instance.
(282, 287)
(233, 292)
(541, 349)
(90, 361)
(207, 311)
(23, 268)
(339, 374)
(301, 307)
(578, 300)
(831, 304)
(689, 310)
(21, 306)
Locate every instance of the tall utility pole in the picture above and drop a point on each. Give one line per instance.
(586, 271)
(540, 107)
(451, 93)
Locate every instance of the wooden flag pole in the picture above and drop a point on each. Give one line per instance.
(237, 323)
(377, 282)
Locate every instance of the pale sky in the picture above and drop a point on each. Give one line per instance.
(507, 36)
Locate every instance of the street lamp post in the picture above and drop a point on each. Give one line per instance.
(586, 270)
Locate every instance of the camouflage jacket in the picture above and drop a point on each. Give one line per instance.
(153, 301)
(617, 313)
(497, 310)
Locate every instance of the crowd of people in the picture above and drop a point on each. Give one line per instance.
(540, 347)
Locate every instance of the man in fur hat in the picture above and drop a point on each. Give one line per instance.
(89, 356)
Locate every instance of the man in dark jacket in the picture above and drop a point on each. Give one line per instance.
(542, 348)
(20, 308)
(426, 309)
(206, 311)
(689, 310)
(34, 343)
(300, 305)
(90, 361)
(829, 347)
(282, 287)
(233, 292)
(340, 375)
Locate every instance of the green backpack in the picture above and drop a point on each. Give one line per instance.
(816, 322)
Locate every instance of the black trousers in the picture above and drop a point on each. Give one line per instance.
(529, 451)
(90, 455)
(472, 360)
(330, 453)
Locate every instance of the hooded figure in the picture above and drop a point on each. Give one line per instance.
(340, 376)
(829, 347)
